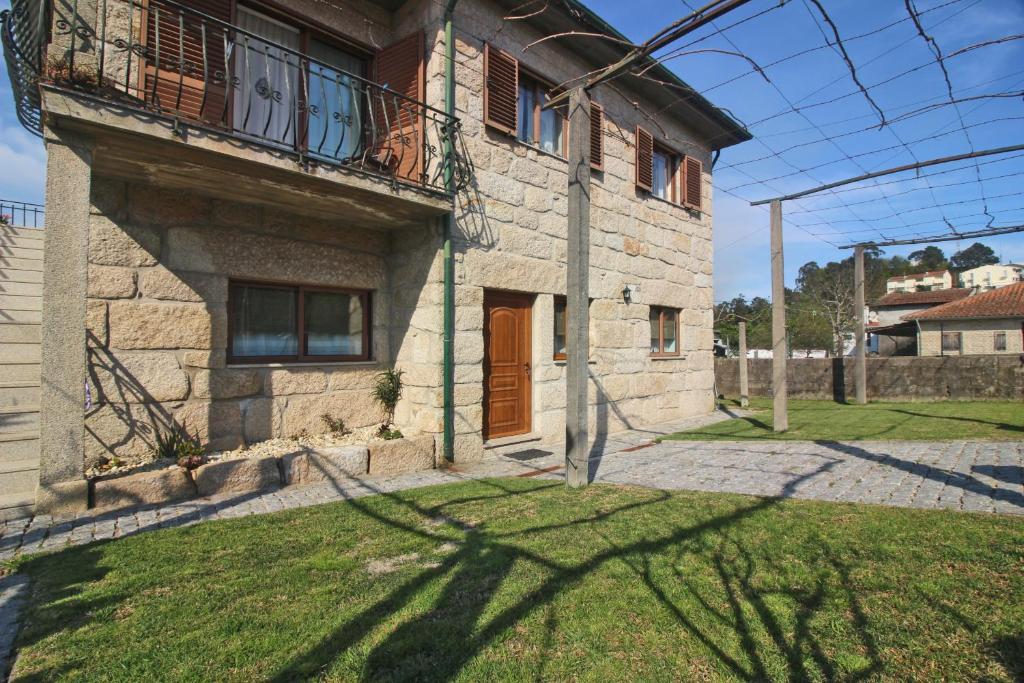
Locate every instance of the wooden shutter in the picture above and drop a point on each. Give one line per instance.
(692, 182)
(644, 159)
(184, 73)
(399, 123)
(596, 136)
(501, 90)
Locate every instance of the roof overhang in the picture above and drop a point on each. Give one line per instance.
(663, 91)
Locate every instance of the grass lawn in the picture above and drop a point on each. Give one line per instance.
(830, 421)
(522, 580)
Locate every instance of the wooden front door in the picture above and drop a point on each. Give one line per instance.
(507, 357)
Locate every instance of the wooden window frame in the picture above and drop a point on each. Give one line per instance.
(300, 290)
(674, 160)
(565, 314)
(540, 88)
(996, 336)
(959, 342)
(661, 353)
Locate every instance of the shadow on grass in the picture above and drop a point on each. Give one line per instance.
(466, 616)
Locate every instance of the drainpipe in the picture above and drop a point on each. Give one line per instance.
(448, 363)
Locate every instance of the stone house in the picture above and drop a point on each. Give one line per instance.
(253, 207)
(983, 324)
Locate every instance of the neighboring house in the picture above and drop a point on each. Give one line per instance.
(244, 224)
(988, 323)
(892, 335)
(915, 282)
(985, 278)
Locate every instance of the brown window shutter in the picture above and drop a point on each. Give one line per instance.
(596, 136)
(692, 182)
(501, 90)
(197, 91)
(644, 159)
(399, 126)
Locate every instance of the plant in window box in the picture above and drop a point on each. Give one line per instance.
(387, 391)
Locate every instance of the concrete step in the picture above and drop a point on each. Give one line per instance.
(19, 445)
(20, 302)
(21, 241)
(15, 275)
(19, 397)
(17, 354)
(23, 264)
(12, 231)
(21, 317)
(19, 475)
(20, 288)
(17, 505)
(18, 420)
(23, 333)
(7, 252)
(26, 373)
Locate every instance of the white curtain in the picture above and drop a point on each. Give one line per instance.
(336, 102)
(269, 85)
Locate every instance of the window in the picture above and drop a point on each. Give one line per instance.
(270, 322)
(544, 128)
(951, 342)
(560, 327)
(665, 164)
(664, 331)
(999, 341)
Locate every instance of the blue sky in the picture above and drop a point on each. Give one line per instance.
(897, 207)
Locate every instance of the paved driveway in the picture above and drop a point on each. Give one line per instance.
(973, 476)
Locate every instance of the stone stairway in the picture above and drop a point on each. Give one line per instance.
(21, 291)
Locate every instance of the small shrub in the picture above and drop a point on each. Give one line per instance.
(335, 425)
(388, 434)
(177, 445)
(5, 219)
(387, 391)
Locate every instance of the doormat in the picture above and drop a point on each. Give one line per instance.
(528, 454)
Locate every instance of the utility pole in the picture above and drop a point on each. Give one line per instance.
(577, 447)
(860, 373)
(779, 387)
(744, 388)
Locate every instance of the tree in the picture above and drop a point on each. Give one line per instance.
(929, 258)
(974, 256)
(829, 290)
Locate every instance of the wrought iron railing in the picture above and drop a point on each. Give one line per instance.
(23, 33)
(21, 214)
(199, 71)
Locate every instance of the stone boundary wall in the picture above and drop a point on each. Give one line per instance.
(889, 379)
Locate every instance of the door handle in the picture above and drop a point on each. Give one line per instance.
(526, 367)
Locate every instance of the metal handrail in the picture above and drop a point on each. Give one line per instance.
(200, 71)
(32, 215)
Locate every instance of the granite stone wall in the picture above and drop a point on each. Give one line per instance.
(889, 379)
(159, 266)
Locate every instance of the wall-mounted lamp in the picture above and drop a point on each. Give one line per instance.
(627, 293)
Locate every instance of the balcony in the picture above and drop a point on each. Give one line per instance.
(218, 87)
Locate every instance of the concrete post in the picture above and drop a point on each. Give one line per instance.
(779, 387)
(62, 485)
(577, 451)
(860, 372)
(744, 386)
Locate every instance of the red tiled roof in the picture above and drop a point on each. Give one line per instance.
(918, 276)
(932, 296)
(1005, 302)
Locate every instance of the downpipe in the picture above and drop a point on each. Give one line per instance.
(448, 345)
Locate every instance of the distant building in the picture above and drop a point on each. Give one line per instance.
(889, 333)
(982, 324)
(987, 278)
(916, 282)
